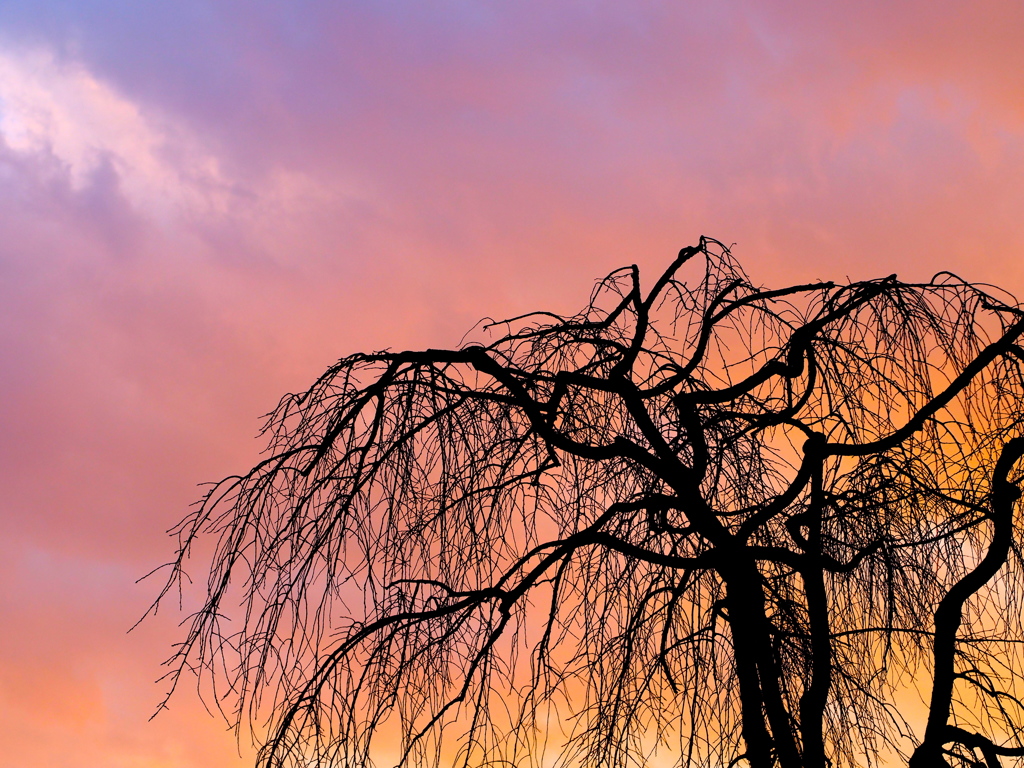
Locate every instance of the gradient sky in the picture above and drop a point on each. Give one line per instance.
(203, 204)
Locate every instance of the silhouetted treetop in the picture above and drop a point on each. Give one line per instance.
(701, 522)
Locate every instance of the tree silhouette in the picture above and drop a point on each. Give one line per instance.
(703, 524)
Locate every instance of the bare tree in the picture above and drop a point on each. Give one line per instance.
(706, 523)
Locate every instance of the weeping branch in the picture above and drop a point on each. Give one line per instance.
(710, 521)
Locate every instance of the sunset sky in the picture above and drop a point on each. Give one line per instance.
(203, 204)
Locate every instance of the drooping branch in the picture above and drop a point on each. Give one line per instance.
(949, 614)
(711, 519)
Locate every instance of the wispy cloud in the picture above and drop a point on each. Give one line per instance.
(58, 109)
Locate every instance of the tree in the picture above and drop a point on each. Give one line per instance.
(715, 522)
